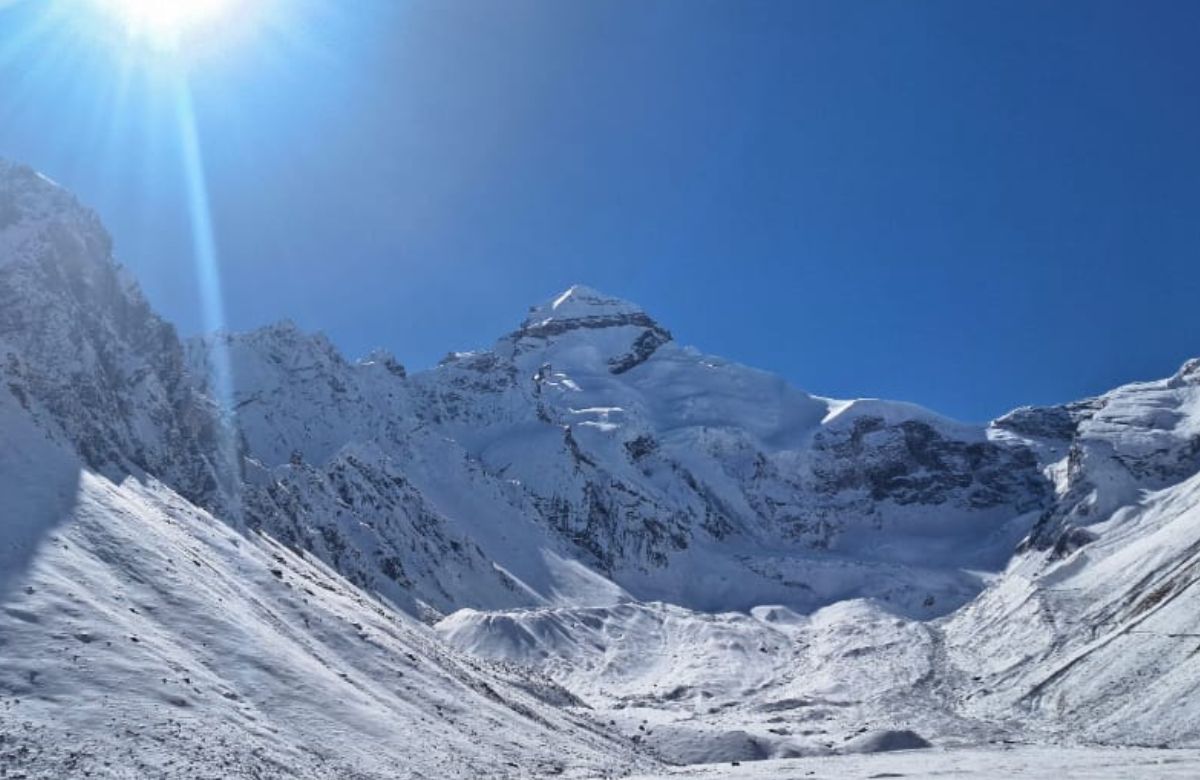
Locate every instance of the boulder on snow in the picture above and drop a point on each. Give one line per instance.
(886, 740)
(682, 745)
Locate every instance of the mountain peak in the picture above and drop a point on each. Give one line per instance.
(38, 218)
(26, 194)
(1188, 373)
(620, 332)
(580, 302)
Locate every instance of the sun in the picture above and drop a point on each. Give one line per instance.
(166, 24)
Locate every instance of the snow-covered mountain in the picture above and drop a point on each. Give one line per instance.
(1096, 627)
(590, 433)
(583, 549)
(145, 630)
(1089, 635)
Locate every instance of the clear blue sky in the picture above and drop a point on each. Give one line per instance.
(970, 205)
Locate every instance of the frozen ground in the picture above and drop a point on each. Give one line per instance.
(1032, 762)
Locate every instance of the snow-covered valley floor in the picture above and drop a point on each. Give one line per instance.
(1026, 761)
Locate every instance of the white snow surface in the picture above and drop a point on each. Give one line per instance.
(145, 638)
(993, 763)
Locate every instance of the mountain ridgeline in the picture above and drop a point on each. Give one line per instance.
(587, 465)
(586, 436)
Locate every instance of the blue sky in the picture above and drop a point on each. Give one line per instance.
(970, 205)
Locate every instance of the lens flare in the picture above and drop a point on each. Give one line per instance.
(164, 24)
(208, 283)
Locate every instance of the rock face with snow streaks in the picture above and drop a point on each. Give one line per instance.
(83, 353)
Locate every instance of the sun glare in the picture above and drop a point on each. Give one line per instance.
(165, 24)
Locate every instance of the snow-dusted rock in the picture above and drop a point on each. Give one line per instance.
(82, 352)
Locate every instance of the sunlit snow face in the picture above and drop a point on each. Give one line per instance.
(165, 24)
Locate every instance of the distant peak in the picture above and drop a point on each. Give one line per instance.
(21, 171)
(29, 197)
(622, 330)
(1188, 374)
(41, 220)
(581, 293)
(383, 357)
(279, 338)
(579, 302)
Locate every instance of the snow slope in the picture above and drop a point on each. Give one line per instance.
(696, 687)
(144, 638)
(996, 763)
(1102, 643)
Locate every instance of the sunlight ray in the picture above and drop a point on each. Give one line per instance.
(208, 278)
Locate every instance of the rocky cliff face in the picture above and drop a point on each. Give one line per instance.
(83, 353)
(1108, 450)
